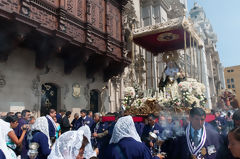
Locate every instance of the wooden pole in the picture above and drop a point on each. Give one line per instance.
(194, 58)
(190, 45)
(201, 65)
(157, 67)
(146, 62)
(152, 70)
(133, 61)
(185, 52)
(139, 65)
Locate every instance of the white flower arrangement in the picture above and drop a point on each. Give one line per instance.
(185, 94)
(138, 102)
(193, 92)
(129, 91)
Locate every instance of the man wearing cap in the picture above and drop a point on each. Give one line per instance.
(200, 140)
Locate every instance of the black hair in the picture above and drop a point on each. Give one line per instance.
(117, 115)
(229, 114)
(11, 119)
(24, 112)
(62, 111)
(152, 116)
(83, 111)
(88, 112)
(197, 111)
(10, 113)
(213, 112)
(51, 111)
(109, 113)
(68, 113)
(17, 113)
(236, 133)
(236, 115)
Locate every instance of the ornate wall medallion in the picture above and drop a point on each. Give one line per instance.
(76, 90)
(2, 81)
(167, 37)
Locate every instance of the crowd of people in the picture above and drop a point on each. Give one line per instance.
(164, 135)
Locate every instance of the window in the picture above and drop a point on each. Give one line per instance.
(228, 80)
(232, 80)
(229, 86)
(232, 70)
(146, 15)
(157, 14)
(228, 70)
(233, 86)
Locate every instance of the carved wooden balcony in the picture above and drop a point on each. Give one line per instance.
(94, 26)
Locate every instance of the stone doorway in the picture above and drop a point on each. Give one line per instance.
(49, 98)
(94, 100)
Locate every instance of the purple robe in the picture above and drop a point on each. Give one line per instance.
(51, 128)
(181, 150)
(81, 122)
(18, 132)
(2, 156)
(157, 129)
(42, 140)
(139, 127)
(59, 119)
(224, 152)
(128, 148)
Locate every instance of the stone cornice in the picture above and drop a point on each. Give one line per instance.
(163, 3)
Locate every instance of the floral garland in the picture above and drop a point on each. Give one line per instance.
(185, 95)
(192, 93)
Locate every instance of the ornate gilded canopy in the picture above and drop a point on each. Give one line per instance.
(172, 35)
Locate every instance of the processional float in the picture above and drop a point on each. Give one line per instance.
(167, 39)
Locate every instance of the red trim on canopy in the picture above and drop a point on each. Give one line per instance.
(167, 36)
(112, 118)
(153, 44)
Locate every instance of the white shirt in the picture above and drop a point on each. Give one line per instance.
(5, 129)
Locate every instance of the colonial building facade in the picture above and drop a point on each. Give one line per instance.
(215, 72)
(146, 70)
(59, 54)
(195, 63)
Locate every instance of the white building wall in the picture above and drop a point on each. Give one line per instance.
(222, 79)
(20, 73)
(164, 17)
(137, 8)
(205, 77)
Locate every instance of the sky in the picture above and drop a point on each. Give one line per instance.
(224, 15)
